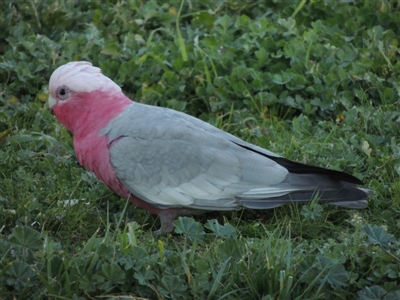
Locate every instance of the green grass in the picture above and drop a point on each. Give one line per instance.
(317, 82)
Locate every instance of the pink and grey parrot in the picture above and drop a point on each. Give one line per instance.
(173, 164)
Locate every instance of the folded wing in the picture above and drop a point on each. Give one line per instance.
(170, 159)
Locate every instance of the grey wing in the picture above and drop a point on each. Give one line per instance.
(170, 161)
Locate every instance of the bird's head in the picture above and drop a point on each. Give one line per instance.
(80, 93)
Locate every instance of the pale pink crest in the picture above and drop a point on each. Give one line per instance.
(80, 76)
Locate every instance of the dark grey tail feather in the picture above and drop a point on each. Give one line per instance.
(349, 196)
(299, 168)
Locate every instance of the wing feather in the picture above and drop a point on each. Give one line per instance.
(175, 162)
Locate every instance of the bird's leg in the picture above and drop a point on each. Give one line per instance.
(169, 215)
(166, 219)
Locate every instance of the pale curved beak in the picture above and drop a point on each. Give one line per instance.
(51, 103)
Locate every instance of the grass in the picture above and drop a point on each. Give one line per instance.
(316, 82)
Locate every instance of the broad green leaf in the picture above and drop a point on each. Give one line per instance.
(172, 286)
(372, 293)
(20, 275)
(313, 212)
(144, 276)
(378, 236)
(323, 269)
(225, 231)
(189, 227)
(394, 295)
(27, 238)
(230, 248)
(113, 272)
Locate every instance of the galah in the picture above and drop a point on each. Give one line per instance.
(173, 164)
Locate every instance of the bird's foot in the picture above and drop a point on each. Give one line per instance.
(166, 219)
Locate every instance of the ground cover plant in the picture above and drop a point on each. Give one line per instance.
(316, 81)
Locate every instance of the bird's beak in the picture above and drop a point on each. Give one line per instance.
(51, 103)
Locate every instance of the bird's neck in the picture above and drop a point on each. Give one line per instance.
(87, 113)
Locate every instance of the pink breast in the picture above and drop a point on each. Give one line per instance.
(92, 153)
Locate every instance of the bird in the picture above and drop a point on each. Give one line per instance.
(173, 164)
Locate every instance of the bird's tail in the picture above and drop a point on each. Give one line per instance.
(303, 188)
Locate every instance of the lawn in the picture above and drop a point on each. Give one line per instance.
(315, 81)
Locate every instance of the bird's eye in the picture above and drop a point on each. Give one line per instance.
(63, 92)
